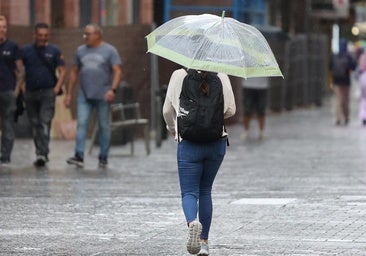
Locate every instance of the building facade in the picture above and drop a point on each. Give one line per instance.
(77, 13)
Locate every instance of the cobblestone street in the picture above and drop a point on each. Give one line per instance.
(301, 191)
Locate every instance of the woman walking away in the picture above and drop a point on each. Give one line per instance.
(194, 110)
(342, 64)
(363, 98)
(362, 80)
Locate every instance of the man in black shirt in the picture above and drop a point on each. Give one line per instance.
(11, 69)
(42, 61)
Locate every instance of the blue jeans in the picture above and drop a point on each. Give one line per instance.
(84, 110)
(197, 166)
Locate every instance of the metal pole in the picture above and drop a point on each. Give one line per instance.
(159, 126)
(154, 77)
(306, 90)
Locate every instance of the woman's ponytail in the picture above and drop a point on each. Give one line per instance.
(204, 88)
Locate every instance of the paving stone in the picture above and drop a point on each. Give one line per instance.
(302, 191)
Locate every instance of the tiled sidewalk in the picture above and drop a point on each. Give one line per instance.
(302, 191)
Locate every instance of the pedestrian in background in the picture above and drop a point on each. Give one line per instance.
(11, 69)
(341, 65)
(362, 110)
(198, 163)
(362, 81)
(254, 104)
(98, 64)
(44, 76)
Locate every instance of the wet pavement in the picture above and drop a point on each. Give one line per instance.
(302, 191)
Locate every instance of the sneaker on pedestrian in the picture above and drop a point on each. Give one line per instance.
(194, 233)
(204, 249)
(4, 161)
(76, 160)
(40, 161)
(103, 163)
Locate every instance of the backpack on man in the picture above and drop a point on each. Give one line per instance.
(201, 107)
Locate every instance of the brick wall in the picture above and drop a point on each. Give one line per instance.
(18, 12)
(146, 13)
(5, 9)
(43, 13)
(71, 12)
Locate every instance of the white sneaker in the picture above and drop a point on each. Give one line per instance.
(204, 249)
(194, 233)
(4, 163)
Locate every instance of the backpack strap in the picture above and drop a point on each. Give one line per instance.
(178, 131)
(178, 134)
(227, 137)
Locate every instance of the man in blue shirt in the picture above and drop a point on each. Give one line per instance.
(98, 64)
(10, 73)
(42, 61)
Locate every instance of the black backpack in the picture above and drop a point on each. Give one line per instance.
(201, 107)
(340, 66)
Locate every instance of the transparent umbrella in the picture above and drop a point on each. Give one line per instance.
(217, 44)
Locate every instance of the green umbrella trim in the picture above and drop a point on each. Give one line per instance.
(245, 72)
(151, 39)
(217, 67)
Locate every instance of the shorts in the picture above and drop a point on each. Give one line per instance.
(254, 101)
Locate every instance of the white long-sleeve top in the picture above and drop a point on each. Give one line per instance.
(171, 103)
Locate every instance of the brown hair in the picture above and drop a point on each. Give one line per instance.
(204, 88)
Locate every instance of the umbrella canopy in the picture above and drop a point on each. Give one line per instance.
(217, 44)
